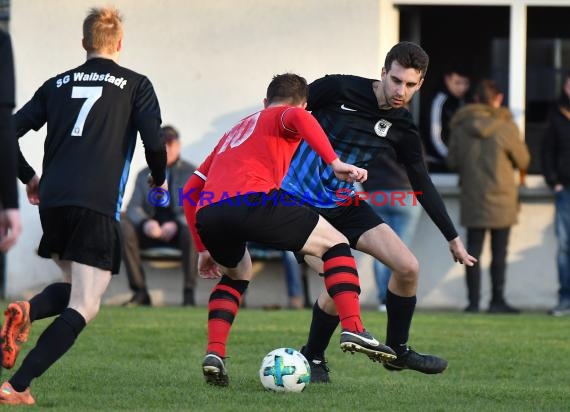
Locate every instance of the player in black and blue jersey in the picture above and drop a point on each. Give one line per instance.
(93, 114)
(363, 117)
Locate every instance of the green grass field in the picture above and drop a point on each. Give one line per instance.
(149, 359)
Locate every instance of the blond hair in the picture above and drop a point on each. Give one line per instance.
(102, 30)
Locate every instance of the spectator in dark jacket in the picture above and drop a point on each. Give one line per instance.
(556, 170)
(444, 104)
(151, 225)
(485, 148)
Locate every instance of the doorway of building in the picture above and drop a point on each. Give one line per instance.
(478, 38)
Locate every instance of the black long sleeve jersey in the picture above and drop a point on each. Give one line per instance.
(93, 113)
(358, 130)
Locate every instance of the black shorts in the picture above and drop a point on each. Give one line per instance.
(226, 226)
(351, 220)
(81, 235)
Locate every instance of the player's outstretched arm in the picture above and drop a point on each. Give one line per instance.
(347, 172)
(151, 182)
(430, 199)
(10, 228)
(433, 204)
(146, 115)
(459, 253)
(33, 190)
(190, 198)
(299, 122)
(207, 267)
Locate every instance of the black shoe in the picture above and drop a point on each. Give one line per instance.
(364, 342)
(214, 370)
(138, 299)
(319, 369)
(413, 360)
(471, 308)
(188, 299)
(502, 307)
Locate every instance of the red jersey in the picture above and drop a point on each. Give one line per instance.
(255, 154)
(253, 157)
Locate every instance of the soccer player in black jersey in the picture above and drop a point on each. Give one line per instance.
(361, 118)
(10, 226)
(93, 113)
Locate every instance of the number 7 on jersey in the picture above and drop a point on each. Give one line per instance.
(84, 92)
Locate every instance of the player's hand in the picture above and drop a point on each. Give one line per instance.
(33, 190)
(169, 230)
(349, 173)
(151, 183)
(460, 254)
(207, 268)
(10, 228)
(151, 228)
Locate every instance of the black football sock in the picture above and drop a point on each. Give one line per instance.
(52, 344)
(50, 302)
(323, 326)
(400, 311)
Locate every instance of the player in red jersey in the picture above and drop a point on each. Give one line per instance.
(235, 197)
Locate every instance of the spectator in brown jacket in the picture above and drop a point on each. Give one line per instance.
(485, 148)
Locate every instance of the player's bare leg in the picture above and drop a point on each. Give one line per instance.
(19, 315)
(383, 243)
(87, 287)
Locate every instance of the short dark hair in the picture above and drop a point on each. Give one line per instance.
(460, 68)
(169, 133)
(289, 88)
(409, 55)
(486, 91)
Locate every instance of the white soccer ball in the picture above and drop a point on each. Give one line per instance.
(285, 370)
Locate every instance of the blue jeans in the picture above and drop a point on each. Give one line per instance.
(292, 274)
(562, 228)
(290, 264)
(403, 219)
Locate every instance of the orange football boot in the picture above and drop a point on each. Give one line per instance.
(14, 331)
(9, 396)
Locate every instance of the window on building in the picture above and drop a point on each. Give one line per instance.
(4, 14)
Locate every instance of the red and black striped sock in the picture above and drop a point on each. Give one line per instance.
(343, 286)
(222, 309)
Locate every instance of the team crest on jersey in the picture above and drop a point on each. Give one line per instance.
(381, 127)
